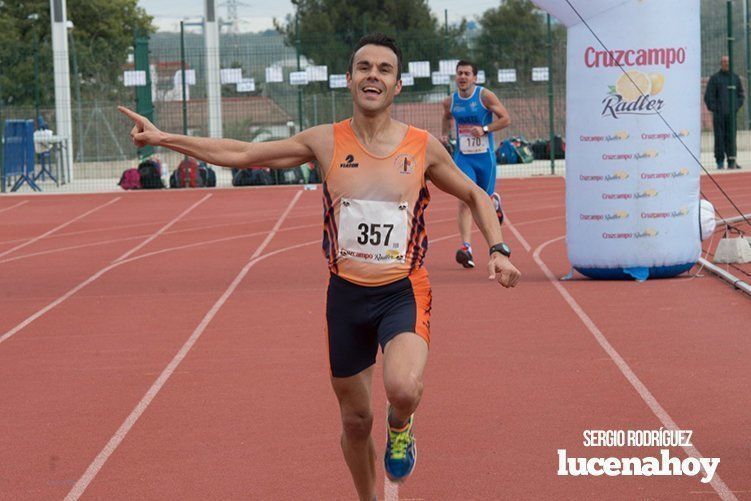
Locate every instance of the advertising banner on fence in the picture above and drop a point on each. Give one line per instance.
(632, 186)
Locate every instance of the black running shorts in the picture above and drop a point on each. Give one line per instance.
(359, 318)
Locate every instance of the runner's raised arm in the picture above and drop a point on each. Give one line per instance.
(290, 152)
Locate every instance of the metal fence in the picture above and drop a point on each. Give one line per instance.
(264, 110)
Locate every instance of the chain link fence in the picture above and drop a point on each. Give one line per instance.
(261, 108)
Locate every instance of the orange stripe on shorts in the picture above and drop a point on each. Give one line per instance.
(423, 302)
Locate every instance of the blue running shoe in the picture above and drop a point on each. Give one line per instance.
(401, 452)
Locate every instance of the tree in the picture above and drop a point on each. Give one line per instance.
(330, 28)
(514, 35)
(103, 36)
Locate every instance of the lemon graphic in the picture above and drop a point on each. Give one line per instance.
(684, 171)
(621, 174)
(622, 134)
(651, 153)
(622, 214)
(657, 82)
(683, 133)
(651, 232)
(632, 84)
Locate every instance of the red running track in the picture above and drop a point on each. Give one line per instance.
(189, 370)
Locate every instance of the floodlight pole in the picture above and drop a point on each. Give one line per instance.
(182, 78)
(747, 25)
(551, 102)
(732, 89)
(297, 50)
(61, 66)
(213, 83)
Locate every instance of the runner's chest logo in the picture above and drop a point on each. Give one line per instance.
(349, 163)
(405, 163)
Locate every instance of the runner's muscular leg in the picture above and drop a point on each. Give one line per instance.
(353, 394)
(465, 222)
(404, 360)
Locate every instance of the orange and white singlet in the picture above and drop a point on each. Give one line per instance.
(374, 208)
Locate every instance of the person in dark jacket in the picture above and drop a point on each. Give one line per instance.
(717, 99)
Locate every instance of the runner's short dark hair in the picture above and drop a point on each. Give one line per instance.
(464, 62)
(383, 41)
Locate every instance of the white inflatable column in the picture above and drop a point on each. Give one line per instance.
(632, 182)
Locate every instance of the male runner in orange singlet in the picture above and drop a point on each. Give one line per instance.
(374, 196)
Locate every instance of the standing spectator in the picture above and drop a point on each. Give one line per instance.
(717, 99)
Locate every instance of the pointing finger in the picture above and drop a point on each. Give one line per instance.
(130, 114)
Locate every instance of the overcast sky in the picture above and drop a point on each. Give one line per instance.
(257, 15)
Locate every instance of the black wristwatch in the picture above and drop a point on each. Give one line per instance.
(486, 129)
(502, 248)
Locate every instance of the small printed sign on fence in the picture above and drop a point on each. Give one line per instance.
(317, 73)
(190, 77)
(481, 76)
(337, 81)
(507, 76)
(134, 78)
(274, 74)
(440, 79)
(447, 66)
(231, 75)
(419, 69)
(540, 74)
(298, 78)
(408, 80)
(246, 85)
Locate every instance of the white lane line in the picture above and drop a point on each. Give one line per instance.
(115, 441)
(125, 239)
(96, 465)
(81, 285)
(60, 227)
(658, 410)
(162, 229)
(250, 217)
(390, 490)
(14, 206)
(522, 240)
(58, 250)
(535, 221)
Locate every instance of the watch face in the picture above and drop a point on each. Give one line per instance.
(502, 248)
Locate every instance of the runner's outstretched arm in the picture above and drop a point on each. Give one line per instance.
(447, 177)
(289, 152)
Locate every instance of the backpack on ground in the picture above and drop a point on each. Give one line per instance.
(130, 180)
(314, 176)
(506, 153)
(559, 148)
(208, 175)
(539, 149)
(523, 151)
(188, 175)
(291, 176)
(150, 172)
(256, 176)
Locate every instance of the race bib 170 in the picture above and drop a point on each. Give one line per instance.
(469, 144)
